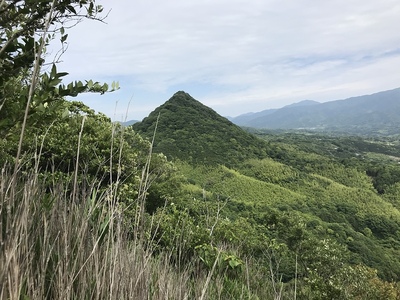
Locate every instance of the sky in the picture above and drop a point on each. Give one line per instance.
(235, 56)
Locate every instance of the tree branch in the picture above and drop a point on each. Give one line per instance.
(35, 74)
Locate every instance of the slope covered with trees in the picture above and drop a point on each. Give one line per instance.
(334, 186)
(189, 130)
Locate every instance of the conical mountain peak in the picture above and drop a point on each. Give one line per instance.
(191, 131)
(181, 98)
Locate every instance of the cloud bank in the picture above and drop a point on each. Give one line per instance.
(236, 56)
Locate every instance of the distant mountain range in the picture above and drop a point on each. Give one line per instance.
(248, 117)
(369, 114)
(128, 123)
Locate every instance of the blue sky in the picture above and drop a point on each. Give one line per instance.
(235, 56)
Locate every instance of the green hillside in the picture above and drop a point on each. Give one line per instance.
(331, 183)
(193, 132)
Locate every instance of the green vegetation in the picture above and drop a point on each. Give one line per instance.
(199, 134)
(340, 189)
(184, 205)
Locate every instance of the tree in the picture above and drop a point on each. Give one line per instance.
(28, 96)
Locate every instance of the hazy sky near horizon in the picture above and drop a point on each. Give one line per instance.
(235, 56)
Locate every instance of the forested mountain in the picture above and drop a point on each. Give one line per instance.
(248, 117)
(191, 131)
(337, 188)
(370, 114)
(128, 123)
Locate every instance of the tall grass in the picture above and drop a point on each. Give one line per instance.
(65, 240)
(55, 248)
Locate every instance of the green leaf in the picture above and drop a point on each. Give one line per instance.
(114, 86)
(90, 9)
(55, 82)
(89, 84)
(61, 74)
(104, 88)
(71, 9)
(63, 38)
(53, 71)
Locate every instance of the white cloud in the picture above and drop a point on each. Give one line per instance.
(259, 53)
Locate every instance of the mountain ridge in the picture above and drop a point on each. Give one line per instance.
(378, 112)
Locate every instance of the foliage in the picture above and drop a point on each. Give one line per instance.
(29, 96)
